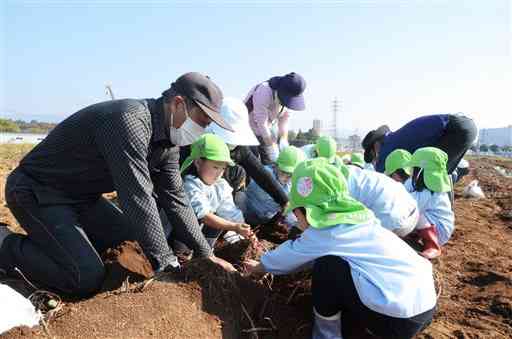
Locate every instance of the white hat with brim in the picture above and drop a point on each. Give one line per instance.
(235, 113)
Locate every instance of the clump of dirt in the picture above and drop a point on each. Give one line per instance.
(274, 232)
(126, 261)
(272, 302)
(244, 249)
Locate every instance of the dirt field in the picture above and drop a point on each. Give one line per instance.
(474, 275)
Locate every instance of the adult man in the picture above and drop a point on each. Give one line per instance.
(124, 145)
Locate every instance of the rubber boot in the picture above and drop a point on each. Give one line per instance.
(327, 327)
(431, 247)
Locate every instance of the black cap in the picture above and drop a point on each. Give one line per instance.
(205, 93)
(370, 139)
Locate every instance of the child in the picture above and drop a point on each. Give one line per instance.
(390, 201)
(260, 208)
(326, 148)
(430, 185)
(362, 273)
(357, 159)
(396, 165)
(387, 199)
(209, 194)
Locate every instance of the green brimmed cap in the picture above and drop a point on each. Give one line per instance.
(322, 190)
(357, 159)
(289, 158)
(433, 161)
(208, 146)
(326, 148)
(398, 159)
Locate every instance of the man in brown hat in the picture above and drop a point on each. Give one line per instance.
(128, 146)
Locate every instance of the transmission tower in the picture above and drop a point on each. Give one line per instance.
(109, 91)
(336, 110)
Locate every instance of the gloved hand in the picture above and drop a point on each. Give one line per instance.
(272, 152)
(283, 143)
(173, 267)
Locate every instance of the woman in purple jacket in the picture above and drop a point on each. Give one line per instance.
(267, 103)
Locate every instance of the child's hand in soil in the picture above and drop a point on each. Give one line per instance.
(253, 267)
(222, 263)
(244, 230)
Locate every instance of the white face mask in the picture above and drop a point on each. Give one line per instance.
(189, 131)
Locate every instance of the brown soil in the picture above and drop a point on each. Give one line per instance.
(474, 274)
(127, 261)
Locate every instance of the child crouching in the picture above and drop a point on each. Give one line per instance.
(425, 177)
(209, 194)
(259, 207)
(362, 273)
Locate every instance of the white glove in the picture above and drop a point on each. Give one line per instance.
(272, 151)
(283, 143)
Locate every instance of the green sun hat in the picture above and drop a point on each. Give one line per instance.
(322, 190)
(398, 159)
(433, 162)
(208, 146)
(326, 148)
(289, 158)
(357, 159)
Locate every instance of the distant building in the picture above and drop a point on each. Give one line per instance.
(496, 136)
(317, 126)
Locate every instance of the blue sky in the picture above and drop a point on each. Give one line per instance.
(387, 61)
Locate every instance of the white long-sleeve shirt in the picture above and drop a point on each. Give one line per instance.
(216, 199)
(437, 209)
(390, 277)
(388, 199)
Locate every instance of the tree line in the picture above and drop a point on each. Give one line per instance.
(20, 126)
(492, 148)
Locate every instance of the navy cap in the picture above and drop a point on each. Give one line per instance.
(290, 89)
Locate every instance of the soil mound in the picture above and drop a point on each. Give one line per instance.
(127, 261)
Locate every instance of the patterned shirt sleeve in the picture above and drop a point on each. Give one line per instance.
(261, 176)
(124, 141)
(174, 200)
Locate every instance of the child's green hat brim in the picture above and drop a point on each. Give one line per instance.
(398, 159)
(433, 162)
(210, 147)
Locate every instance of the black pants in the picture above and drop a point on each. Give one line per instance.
(60, 250)
(334, 291)
(459, 135)
(261, 152)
